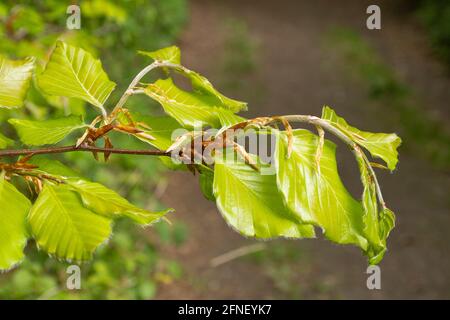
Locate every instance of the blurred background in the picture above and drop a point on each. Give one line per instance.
(282, 57)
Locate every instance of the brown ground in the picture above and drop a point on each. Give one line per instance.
(298, 78)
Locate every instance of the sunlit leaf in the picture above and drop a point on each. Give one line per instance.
(15, 77)
(51, 131)
(63, 227)
(169, 54)
(14, 208)
(381, 145)
(318, 197)
(109, 203)
(378, 222)
(202, 85)
(73, 72)
(190, 108)
(160, 128)
(251, 203)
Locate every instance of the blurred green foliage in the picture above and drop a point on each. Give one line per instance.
(129, 267)
(113, 31)
(435, 14)
(421, 131)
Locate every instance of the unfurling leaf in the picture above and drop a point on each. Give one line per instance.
(169, 54)
(15, 77)
(108, 203)
(73, 72)
(63, 227)
(36, 133)
(318, 198)
(378, 222)
(14, 208)
(381, 145)
(252, 204)
(5, 141)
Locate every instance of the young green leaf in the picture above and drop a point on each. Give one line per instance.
(169, 54)
(63, 227)
(15, 77)
(190, 109)
(317, 195)
(161, 128)
(251, 203)
(381, 145)
(206, 178)
(36, 133)
(5, 141)
(73, 72)
(202, 86)
(108, 203)
(378, 222)
(13, 227)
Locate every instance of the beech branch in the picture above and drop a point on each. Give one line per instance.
(53, 150)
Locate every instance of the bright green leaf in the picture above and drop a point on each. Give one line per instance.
(14, 208)
(251, 203)
(108, 203)
(202, 85)
(190, 108)
(381, 145)
(206, 179)
(378, 222)
(73, 72)
(161, 128)
(36, 133)
(53, 167)
(319, 198)
(63, 227)
(15, 79)
(5, 141)
(169, 54)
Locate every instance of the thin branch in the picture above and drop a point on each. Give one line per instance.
(53, 150)
(139, 76)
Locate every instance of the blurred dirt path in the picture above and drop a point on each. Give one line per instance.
(298, 78)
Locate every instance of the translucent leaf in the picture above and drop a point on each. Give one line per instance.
(73, 72)
(202, 85)
(381, 145)
(169, 54)
(206, 179)
(15, 79)
(108, 203)
(63, 227)
(36, 133)
(14, 208)
(190, 109)
(5, 141)
(317, 195)
(160, 128)
(228, 118)
(96, 197)
(378, 222)
(251, 203)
